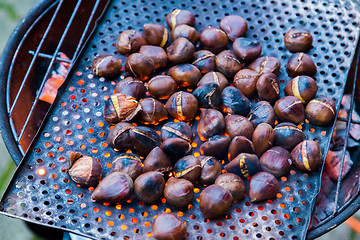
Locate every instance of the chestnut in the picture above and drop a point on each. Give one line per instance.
(236, 125)
(162, 86)
(215, 201)
(216, 146)
(306, 156)
(302, 87)
(263, 186)
(204, 60)
(227, 63)
(245, 80)
(115, 188)
(130, 41)
(152, 111)
(168, 226)
(182, 106)
(177, 130)
(156, 34)
(176, 148)
(185, 75)
(180, 51)
(234, 26)
(288, 135)
(157, 54)
(120, 107)
(262, 113)
(106, 66)
(213, 39)
(263, 138)
(84, 170)
(214, 77)
(268, 87)
(240, 144)
(321, 111)
(185, 31)
(276, 161)
(208, 96)
(179, 192)
(188, 167)
(266, 65)
(157, 160)
(246, 49)
(178, 17)
(300, 64)
(144, 139)
(132, 87)
(298, 40)
(149, 187)
(245, 165)
(119, 136)
(233, 183)
(234, 101)
(127, 163)
(290, 109)
(210, 169)
(211, 123)
(139, 65)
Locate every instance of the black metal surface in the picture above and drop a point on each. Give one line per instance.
(76, 123)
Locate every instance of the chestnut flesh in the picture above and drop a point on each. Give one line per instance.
(233, 183)
(215, 201)
(302, 87)
(179, 192)
(306, 156)
(182, 106)
(149, 187)
(120, 107)
(127, 163)
(263, 186)
(84, 170)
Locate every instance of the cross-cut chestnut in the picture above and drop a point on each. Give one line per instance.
(177, 130)
(106, 66)
(84, 170)
(182, 106)
(214, 77)
(306, 156)
(139, 65)
(236, 125)
(227, 63)
(130, 41)
(156, 34)
(208, 96)
(262, 113)
(240, 144)
(176, 148)
(266, 65)
(119, 136)
(210, 169)
(131, 86)
(245, 80)
(127, 163)
(298, 40)
(188, 167)
(120, 107)
(204, 60)
(302, 87)
(321, 111)
(288, 135)
(152, 111)
(268, 87)
(178, 17)
(300, 64)
(245, 165)
(144, 139)
(290, 109)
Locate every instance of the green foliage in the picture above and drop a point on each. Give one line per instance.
(10, 10)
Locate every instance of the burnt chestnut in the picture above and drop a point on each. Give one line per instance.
(300, 64)
(214, 77)
(298, 40)
(177, 130)
(213, 39)
(119, 136)
(321, 111)
(162, 86)
(106, 66)
(262, 113)
(127, 163)
(215, 201)
(115, 188)
(130, 41)
(233, 183)
(247, 49)
(227, 63)
(185, 31)
(216, 146)
(132, 87)
(120, 107)
(156, 34)
(234, 26)
(288, 135)
(302, 87)
(185, 75)
(176, 148)
(245, 165)
(263, 186)
(235, 102)
(208, 96)
(178, 17)
(149, 187)
(263, 138)
(180, 51)
(306, 156)
(157, 54)
(140, 66)
(188, 167)
(144, 139)
(266, 65)
(290, 109)
(210, 169)
(84, 170)
(211, 123)
(240, 144)
(179, 192)
(168, 226)
(268, 87)
(204, 60)
(245, 80)
(276, 161)
(236, 125)
(152, 111)
(157, 160)
(182, 106)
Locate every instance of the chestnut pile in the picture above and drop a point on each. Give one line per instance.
(213, 82)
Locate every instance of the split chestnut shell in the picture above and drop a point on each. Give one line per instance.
(84, 170)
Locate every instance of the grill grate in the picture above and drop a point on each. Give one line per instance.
(42, 192)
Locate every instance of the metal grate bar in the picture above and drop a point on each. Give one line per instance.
(48, 56)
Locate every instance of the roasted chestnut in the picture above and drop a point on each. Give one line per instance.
(115, 188)
(179, 192)
(268, 87)
(188, 167)
(306, 156)
(182, 106)
(215, 201)
(214, 77)
(180, 51)
(227, 63)
(321, 111)
(246, 49)
(144, 139)
(245, 80)
(149, 186)
(119, 136)
(233, 183)
(302, 87)
(234, 26)
(84, 170)
(240, 144)
(139, 65)
(152, 111)
(185, 31)
(204, 60)
(177, 130)
(290, 109)
(236, 125)
(120, 107)
(263, 138)
(208, 96)
(162, 86)
(276, 161)
(157, 160)
(106, 66)
(235, 102)
(130, 41)
(300, 64)
(245, 165)
(211, 123)
(288, 135)
(132, 87)
(213, 39)
(262, 113)
(266, 65)
(168, 226)
(210, 169)
(298, 40)
(157, 54)
(216, 146)
(176, 148)
(178, 17)
(263, 186)
(156, 34)
(185, 75)
(127, 163)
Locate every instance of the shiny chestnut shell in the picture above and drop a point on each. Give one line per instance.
(266, 65)
(157, 54)
(290, 109)
(211, 123)
(227, 63)
(84, 170)
(179, 192)
(233, 183)
(240, 144)
(208, 96)
(234, 26)
(120, 107)
(210, 169)
(139, 65)
(144, 139)
(149, 187)
(132, 87)
(245, 165)
(177, 130)
(188, 167)
(213, 39)
(130, 41)
(300, 64)
(127, 163)
(157, 160)
(262, 113)
(234, 101)
(176, 148)
(263, 186)
(178, 17)
(156, 34)
(298, 40)
(204, 60)
(302, 87)
(263, 138)
(321, 111)
(276, 161)
(180, 51)
(306, 156)
(162, 86)
(106, 66)
(214, 77)
(245, 80)
(215, 201)
(216, 146)
(236, 125)
(152, 111)
(185, 31)
(119, 136)
(182, 106)
(168, 226)
(268, 87)
(288, 135)
(247, 49)
(185, 75)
